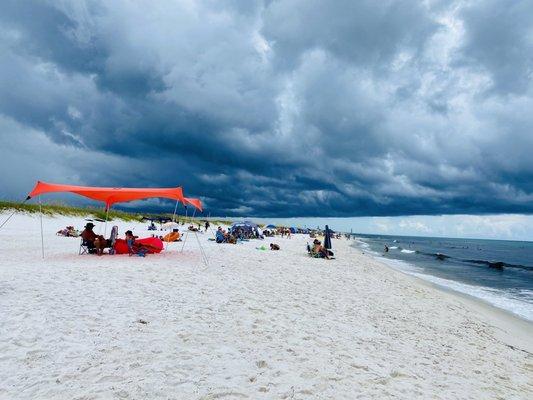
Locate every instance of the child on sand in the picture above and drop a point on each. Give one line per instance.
(133, 247)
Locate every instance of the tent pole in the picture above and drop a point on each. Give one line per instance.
(173, 219)
(42, 236)
(175, 209)
(186, 233)
(106, 216)
(185, 236)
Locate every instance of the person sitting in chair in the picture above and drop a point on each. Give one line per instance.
(230, 238)
(320, 250)
(133, 247)
(219, 236)
(95, 243)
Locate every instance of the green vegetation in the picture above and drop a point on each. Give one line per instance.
(64, 209)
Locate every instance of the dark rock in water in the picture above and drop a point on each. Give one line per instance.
(441, 256)
(496, 265)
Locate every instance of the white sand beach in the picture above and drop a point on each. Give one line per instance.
(252, 324)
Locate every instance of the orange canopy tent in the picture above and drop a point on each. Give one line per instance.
(195, 202)
(110, 195)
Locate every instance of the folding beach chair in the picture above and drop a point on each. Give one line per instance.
(135, 250)
(113, 239)
(84, 247)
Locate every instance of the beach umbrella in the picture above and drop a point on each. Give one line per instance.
(246, 226)
(327, 238)
(170, 225)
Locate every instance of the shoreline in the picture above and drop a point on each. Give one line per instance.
(512, 328)
(492, 311)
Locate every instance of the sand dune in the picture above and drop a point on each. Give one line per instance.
(252, 324)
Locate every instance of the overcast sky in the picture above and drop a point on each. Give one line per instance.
(275, 108)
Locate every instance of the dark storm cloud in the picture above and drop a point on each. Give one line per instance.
(364, 32)
(41, 30)
(498, 37)
(293, 108)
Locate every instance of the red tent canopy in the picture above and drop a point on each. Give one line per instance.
(195, 202)
(111, 196)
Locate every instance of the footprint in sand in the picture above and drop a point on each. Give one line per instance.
(363, 367)
(225, 394)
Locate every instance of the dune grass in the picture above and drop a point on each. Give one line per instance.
(63, 209)
(94, 212)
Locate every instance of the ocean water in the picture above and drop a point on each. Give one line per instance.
(499, 272)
